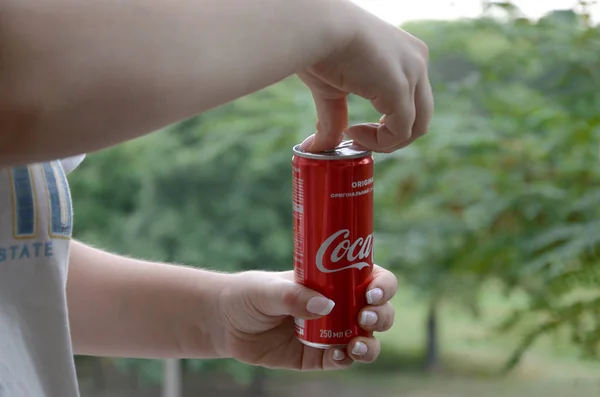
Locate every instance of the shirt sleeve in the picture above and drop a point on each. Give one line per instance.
(70, 163)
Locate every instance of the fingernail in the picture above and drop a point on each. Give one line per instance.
(307, 142)
(374, 295)
(368, 318)
(338, 355)
(359, 349)
(320, 305)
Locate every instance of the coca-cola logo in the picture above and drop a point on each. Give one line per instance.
(356, 253)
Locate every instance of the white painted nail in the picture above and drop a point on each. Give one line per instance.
(360, 349)
(320, 305)
(307, 142)
(368, 318)
(338, 355)
(374, 296)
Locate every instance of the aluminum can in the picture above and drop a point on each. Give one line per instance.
(333, 238)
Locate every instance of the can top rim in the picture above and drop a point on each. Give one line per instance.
(344, 151)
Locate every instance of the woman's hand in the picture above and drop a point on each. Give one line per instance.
(383, 64)
(256, 323)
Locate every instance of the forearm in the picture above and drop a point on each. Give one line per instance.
(77, 76)
(122, 307)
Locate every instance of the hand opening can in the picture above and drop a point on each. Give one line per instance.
(333, 238)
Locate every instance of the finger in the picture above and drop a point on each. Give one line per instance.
(383, 287)
(365, 350)
(424, 105)
(401, 145)
(423, 97)
(326, 359)
(397, 124)
(335, 359)
(369, 136)
(377, 318)
(287, 298)
(396, 102)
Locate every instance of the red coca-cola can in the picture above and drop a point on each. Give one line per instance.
(333, 238)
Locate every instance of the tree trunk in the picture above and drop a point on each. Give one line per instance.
(258, 387)
(172, 378)
(432, 341)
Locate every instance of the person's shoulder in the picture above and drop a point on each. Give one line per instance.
(70, 163)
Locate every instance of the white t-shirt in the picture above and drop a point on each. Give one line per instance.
(36, 221)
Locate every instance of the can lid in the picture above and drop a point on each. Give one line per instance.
(344, 151)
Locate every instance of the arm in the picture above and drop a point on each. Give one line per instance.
(77, 76)
(122, 307)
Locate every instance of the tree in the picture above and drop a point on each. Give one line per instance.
(504, 187)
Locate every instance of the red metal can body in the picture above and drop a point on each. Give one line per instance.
(333, 238)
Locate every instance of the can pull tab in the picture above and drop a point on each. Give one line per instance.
(342, 145)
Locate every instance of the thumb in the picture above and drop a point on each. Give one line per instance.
(287, 298)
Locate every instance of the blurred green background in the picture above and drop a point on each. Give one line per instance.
(491, 221)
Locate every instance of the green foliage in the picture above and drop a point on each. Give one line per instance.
(148, 371)
(507, 184)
